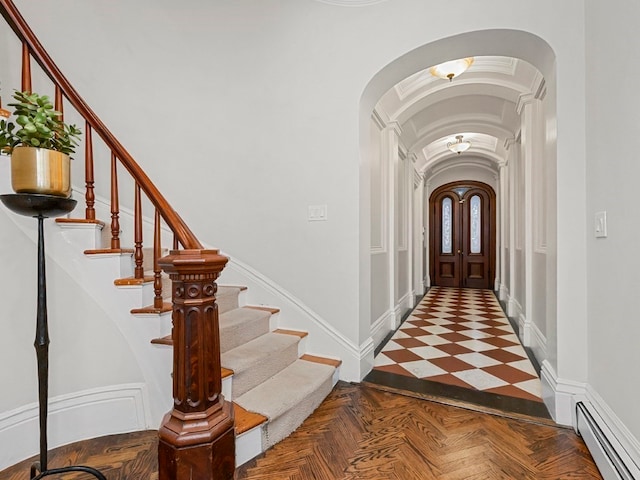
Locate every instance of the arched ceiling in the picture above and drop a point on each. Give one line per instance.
(480, 104)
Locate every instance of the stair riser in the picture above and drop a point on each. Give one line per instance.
(85, 237)
(255, 375)
(226, 302)
(119, 268)
(236, 335)
(227, 388)
(248, 445)
(274, 321)
(281, 427)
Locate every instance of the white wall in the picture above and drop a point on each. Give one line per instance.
(87, 352)
(253, 91)
(612, 183)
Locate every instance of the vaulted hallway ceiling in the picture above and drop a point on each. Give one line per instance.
(481, 104)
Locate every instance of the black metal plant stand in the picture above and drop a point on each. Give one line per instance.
(41, 207)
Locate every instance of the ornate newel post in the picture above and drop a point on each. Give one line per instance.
(197, 437)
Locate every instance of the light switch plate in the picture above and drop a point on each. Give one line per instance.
(317, 213)
(600, 224)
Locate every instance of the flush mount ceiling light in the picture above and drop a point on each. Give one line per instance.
(459, 145)
(451, 68)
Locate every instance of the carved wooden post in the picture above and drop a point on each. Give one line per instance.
(197, 438)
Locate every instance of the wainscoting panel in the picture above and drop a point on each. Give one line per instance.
(73, 417)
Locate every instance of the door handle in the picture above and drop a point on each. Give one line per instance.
(460, 252)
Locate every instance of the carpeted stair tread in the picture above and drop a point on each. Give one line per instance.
(278, 394)
(288, 398)
(260, 359)
(227, 298)
(241, 325)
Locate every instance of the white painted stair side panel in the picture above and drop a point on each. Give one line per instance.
(96, 278)
(83, 233)
(248, 445)
(122, 268)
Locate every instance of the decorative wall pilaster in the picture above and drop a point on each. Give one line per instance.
(392, 133)
(530, 110)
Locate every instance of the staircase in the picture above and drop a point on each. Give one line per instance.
(250, 383)
(272, 382)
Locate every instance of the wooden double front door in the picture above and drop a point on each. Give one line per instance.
(462, 235)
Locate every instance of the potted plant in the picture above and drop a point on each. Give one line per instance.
(40, 145)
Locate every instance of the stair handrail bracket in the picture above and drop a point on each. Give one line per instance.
(197, 437)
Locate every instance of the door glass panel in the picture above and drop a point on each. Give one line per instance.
(461, 191)
(476, 242)
(446, 225)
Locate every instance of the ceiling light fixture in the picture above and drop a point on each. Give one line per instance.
(459, 146)
(451, 68)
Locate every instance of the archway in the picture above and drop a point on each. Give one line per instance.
(510, 43)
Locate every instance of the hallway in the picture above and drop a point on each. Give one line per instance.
(457, 343)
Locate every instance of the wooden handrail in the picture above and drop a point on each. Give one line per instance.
(17, 23)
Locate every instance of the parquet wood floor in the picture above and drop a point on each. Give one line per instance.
(361, 432)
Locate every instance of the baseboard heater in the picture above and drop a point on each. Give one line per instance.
(606, 450)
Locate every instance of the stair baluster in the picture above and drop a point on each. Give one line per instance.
(26, 68)
(115, 205)
(90, 197)
(59, 105)
(137, 234)
(157, 247)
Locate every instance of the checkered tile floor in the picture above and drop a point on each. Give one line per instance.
(461, 337)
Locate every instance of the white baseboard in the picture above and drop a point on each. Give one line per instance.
(367, 353)
(620, 458)
(538, 343)
(524, 329)
(514, 309)
(404, 304)
(614, 448)
(560, 395)
(382, 327)
(73, 417)
(504, 293)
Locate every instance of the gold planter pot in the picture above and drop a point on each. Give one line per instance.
(38, 170)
